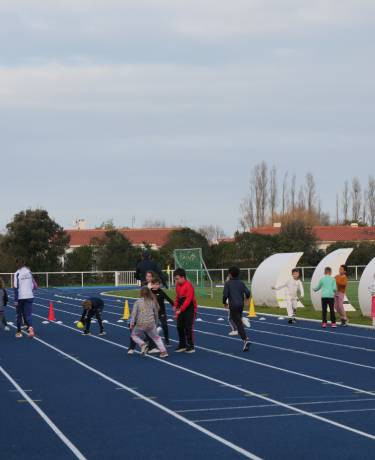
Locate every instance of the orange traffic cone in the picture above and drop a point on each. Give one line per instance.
(51, 312)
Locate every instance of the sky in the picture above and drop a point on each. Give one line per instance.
(159, 109)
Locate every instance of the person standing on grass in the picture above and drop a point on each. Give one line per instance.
(24, 285)
(185, 307)
(3, 304)
(93, 306)
(149, 265)
(372, 293)
(294, 291)
(234, 295)
(328, 287)
(341, 285)
(143, 322)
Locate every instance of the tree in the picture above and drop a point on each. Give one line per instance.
(212, 233)
(284, 194)
(310, 193)
(156, 223)
(345, 198)
(115, 252)
(362, 253)
(37, 238)
(297, 236)
(247, 219)
(184, 238)
(80, 259)
(273, 192)
(107, 225)
(371, 200)
(293, 193)
(356, 196)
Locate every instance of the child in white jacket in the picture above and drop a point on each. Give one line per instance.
(295, 291)
(372, 292)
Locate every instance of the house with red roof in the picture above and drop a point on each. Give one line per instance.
(155, 237)
(328, 235)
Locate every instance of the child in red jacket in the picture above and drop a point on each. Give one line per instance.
(186, 308)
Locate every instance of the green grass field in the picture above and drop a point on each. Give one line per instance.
(307, 312)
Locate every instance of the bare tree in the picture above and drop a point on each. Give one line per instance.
(356, 196)
(247, 220)
(310, 193)
(293, 193)
(364, 206)
(371, 200)
(301, 198)
(212, 233)
(337, 210)
(154, 223)
(273, 192)
(284, 195)
(345, 201)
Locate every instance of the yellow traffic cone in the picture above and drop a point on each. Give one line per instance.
(252, 313)
(126, 314)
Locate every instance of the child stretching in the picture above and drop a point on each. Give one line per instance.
(294, 292)
(3, 304)
(144, 320)
(341, 284)
(92, 306)
(372, 292)
(161, 297)
(328, 286)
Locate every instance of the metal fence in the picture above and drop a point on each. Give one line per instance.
(127, 278)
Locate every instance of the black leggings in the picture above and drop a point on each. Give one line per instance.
(185, 323)
(87, 321)
(235, 315)
(327, 302)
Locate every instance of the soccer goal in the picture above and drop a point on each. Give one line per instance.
(192, 261)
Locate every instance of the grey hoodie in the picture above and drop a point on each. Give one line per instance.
(144, 314)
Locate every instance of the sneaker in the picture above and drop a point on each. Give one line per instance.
(190, 350)
(180, 349)
(333, 325)
(344, 322)
(154, 351)
(164, 354)
(6, 328)
(324, 325)
(290, 320)
(246, 345)
(144, 349)
(131, 351)
(19, 335)
(86, 333)
(24, 327)
(232, 333)
(31, 332)
(102, 333)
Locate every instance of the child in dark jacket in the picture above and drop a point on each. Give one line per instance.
(3, 304)
(161, 297)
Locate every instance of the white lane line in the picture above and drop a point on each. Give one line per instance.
(256, 406)
(229, 419)
(290, 350)
(44, 416)
(242, 390)
(258, 363)
(139, 395)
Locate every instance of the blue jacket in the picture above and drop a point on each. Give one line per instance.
(235, 291)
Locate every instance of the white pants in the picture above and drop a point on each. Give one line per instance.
(291, 307)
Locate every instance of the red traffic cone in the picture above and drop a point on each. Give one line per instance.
(51, 312)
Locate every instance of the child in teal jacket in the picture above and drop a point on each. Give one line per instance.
(328, 287)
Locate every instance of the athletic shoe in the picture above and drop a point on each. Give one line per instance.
(31, 332)
(154, 351)
(86, 333)
(180, 349)
(246, 345)
(333, 325)
(294, 320)
(344, 322)
(233, 333)
(190, 350)
(19, 335)
(164, 355)
(290, 320)
(246, 322)
(6, 328)
(324, 325)
(144, 349)
(24, 327)
(103, 333)
(131, 351)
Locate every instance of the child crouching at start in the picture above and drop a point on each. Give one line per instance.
(144, 320)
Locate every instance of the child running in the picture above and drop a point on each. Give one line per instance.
(235, 292)
(372, 292)
(294, 292)
(24, 286)
(341, 285)
(328, 287)
(3, 304)
(93, 306)
(161, 297)
(144, 320)
(185, 307)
